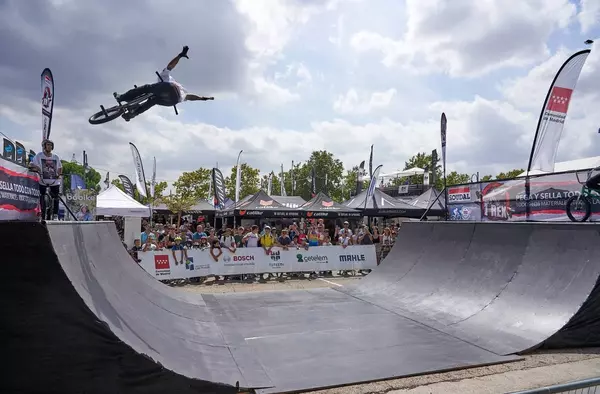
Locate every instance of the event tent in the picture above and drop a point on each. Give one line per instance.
(258, 205)
(114, 202)
(382, 205)
(322, 206)
(290, 201)
(428, 200)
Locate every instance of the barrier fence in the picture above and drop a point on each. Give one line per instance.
(507, 200)
(162, 264)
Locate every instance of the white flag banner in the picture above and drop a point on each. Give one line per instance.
(140, 178)
(372, 184)
(238, 177)
(270, 184)
(554, 112)
(282, 183)
(153, 182)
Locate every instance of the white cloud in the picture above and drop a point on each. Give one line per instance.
(589, 15)
(298, 73)
(465, 38)
(359, 104)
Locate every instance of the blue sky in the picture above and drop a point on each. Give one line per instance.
(291, 76)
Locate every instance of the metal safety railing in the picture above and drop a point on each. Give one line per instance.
(587, 386)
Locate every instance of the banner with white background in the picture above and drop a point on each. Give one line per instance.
(200, 262)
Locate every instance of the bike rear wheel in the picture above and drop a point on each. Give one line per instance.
(107, 115)
(49, 211)
(578, 208)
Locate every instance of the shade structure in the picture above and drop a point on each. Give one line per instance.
(114, 202)
(382, 205)
(322, 206)
(290, 201)
(258, 206)
(202, 207)
(428, 200)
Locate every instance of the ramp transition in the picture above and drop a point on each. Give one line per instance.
(80, 316)
(506, 287)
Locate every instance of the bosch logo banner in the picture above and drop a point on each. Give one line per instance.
(243, 258)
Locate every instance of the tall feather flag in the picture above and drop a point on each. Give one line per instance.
(359, 175)
(293, 176)
(107, 180)
(282, 183)
(238, 177)
(127, 185)
(153, 182)
(47, 102)
(372, 185)
(270, 184)
(371, 163)
(140, 178)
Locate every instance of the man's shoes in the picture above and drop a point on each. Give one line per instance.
(127, 116)
(117, 97)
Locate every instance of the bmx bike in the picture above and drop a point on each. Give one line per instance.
(106, 115)
(579, 207)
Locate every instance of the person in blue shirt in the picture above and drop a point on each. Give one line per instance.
(179, 246)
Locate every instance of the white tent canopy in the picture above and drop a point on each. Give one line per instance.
(114, 202)
(397, 174)
(571, 165)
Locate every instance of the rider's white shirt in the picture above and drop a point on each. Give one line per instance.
(166, 77)
(50, 166)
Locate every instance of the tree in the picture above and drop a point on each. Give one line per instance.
(348, 184)
(454, 178)
(250, 182)
(91, 177)
(486, 178)
(510, 174)
(327, 167)
(194, 184)
(178, 203)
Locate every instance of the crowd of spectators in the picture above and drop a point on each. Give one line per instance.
(306, 235)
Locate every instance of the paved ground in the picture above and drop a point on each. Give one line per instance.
(539, 369)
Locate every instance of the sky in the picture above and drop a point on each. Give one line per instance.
(293, 76)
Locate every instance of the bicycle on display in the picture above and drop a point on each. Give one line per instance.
(579, 207)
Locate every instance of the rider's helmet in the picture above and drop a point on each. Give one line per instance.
(47, 141)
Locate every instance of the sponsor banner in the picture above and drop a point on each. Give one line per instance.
(140, 177)
(200, 262)
(47, 102)
(506, 200)
(19, 192)
(219, 187)
(127, 185)
(459, 194)
(82, 202)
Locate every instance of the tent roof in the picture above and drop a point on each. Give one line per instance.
(380, 200)
(427, 198)
(259, 201)
(114, 202)
(322, 203)
(290, 201)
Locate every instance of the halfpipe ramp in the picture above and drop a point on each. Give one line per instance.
(80, 316)
(506, 287)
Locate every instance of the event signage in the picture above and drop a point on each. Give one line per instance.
(19, 192)
(200, 262)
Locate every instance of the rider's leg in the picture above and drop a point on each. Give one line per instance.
(43, 200)
(593, 182)
(54, 192)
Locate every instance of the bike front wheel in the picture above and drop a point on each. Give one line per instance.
(578, 208)
(106, 115)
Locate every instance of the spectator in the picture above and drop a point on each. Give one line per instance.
(145, 234)
(179, 246)
(251, 239)
(228, 241)
(239, 236)
(313, 236)
(284, 240)
(267, 240)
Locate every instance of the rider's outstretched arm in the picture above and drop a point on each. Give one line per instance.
(194, 97)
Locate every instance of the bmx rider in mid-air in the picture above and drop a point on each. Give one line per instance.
(167, 92)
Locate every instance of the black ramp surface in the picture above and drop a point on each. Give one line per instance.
(506, 287)
(53, 343)
(319, 338)
(290, 340)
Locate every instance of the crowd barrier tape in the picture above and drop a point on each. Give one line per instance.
(161, 264)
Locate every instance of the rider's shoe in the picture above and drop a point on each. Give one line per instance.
(127, 116)
(117, 97)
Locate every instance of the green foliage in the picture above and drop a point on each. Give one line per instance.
(510, 174)
(91, 177)
(454, 178)
(486, 178)
(194, 184)
(250, 182)
(178, 203)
